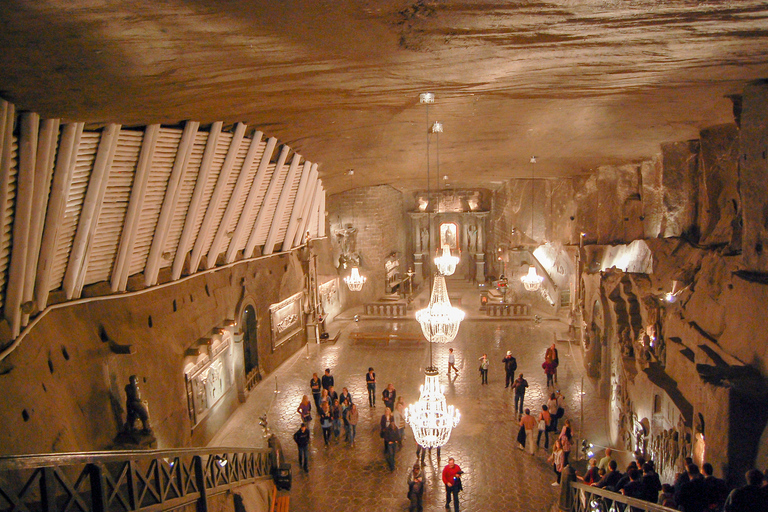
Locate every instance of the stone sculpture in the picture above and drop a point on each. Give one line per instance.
(136, 409)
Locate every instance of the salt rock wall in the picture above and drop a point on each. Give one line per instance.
(719, 201)
(754, 175)
(64, 386)
(679, 181)
(377, 214)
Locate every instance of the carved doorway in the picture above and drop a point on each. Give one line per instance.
(250, 341)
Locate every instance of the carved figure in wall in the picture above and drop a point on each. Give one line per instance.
(625, 341)
(472, 238)
(135, 407)
(424, 239)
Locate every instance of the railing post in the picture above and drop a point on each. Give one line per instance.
(202, 502)
(133, 487)
(98, 490)
(47, 489)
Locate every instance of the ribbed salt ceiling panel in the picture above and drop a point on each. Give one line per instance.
(5, 243)
(244, 196)
(290, 205)
(86, 153)
(261, 236)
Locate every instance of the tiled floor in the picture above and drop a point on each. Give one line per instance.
(497, 475)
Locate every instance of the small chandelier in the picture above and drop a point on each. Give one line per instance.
(532, 280)
(355, 281)
(439, 320)
(431, 418)
(446, 264)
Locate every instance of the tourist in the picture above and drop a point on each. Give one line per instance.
(556, 458)
(543, 422)
(716, 488)
(451, 362)
(510, 365)
(592, 476)
(391, 438)
(345, 397)
(566, 441)
(452, 480)
(399, 418)
(326, 422)
(635, 487)
(384, 423)
(327, 380)
(352, 417)
(324, 399)
(304, 410)
(611, 478)
(552, 356)
(301, 437)
(519, 387)
(552, 408)
(483, 369)
(316, 387)
(415, 489)
(370, 383)
(336, 418)
(667, 496)
(652, 483)
(549, 371)
(749, 498)
(624, 480)
(332, 396)
(528, 422)
(421, 452)
(605, 460)
(693, 497)
(682, 478)
(389, 395)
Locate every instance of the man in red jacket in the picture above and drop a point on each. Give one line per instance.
(452, 480)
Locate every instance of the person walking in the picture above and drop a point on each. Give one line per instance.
(549, 371)
(326, 423)
(452, 480)
(386, 420)
(391, 438)
(528, 422)
(415, 489)
(336, 419)
(352, 418)
(304, 410)
(519, 387)
(566, 441)
(552, 356)
(557, 461)
(716, 488)
(316, 386)
(399, 418)
(388, 396)
(301, 437)
(543, 422)
(748, 498)
(327, 380)
(370, 383)
(552, 408)
(451, 362)
(510, 365)
(483, 369)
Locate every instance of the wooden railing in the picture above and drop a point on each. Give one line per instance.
(126, 481)
(585, 498)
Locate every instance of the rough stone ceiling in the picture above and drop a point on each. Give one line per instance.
(579, 83)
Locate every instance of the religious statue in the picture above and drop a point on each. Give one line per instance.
(472, 238)
(424, 239)
(135, 407)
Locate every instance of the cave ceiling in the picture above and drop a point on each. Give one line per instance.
(578, 83)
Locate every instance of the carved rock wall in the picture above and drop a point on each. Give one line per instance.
(754, 175)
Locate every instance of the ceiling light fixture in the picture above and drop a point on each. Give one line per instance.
(531, 280)
(354, 280)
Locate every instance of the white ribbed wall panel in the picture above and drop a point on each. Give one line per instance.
(291, 200)
(185, 196)
(160, 170)
(86, 153)
(237, 166)
(270, 206)
(112, 217)
(222, 145)
(5, 243)
(257, 205)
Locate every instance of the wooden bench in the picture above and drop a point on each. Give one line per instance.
(279, 503)
(385, 338)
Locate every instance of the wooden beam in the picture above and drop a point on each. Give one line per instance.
(25, 188)
(7, 122)
(253, 194)
(282, 206)
(171, 199)
(215, 202)
(240, 186)
(89, 214)
(298, 239)
(46, 150)
(321, 213)
(314, 208)
(298, 207)
(66, 160)
(197, 198)
(122, 264)
(261, 218)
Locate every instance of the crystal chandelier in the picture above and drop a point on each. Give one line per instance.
(439, 320)
(355, 281)
(431, 418)
(446, 264)
(531, 280)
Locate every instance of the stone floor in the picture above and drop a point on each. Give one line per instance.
(497, 475)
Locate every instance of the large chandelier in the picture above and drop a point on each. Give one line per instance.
(439, 320)
(532, 280)
(446, 264)
(431, 418)
(355, 281)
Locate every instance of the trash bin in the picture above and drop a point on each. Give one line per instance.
(282, 476)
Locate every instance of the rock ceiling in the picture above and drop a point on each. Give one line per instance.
(578, 83)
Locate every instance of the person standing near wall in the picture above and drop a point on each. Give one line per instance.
(451, 362)
(370, 383)
(484, 369)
